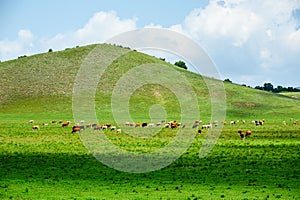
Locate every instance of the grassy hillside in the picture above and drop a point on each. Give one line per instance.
(43, 84)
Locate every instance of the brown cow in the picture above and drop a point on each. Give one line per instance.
(76, 129)
(248, 133)
(35, 127)
(65, 124)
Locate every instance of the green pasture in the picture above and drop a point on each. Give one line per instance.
(53, 163)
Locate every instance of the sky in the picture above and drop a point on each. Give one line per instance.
(250, 41)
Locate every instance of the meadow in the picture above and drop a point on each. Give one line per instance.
(53, 163)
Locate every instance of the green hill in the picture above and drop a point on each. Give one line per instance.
(43, 84)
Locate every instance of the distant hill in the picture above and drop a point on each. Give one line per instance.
(43, 84)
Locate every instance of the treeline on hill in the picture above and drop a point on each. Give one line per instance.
(269, 87)
(278, 89)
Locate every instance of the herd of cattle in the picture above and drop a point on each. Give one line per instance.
(172, 125)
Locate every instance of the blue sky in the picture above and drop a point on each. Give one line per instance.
(251, 42)
(46, 18)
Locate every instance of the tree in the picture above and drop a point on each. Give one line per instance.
(228, 80)
(290, 89)
(180, 64)
(268, 87)
(50, 50)
(259, 87)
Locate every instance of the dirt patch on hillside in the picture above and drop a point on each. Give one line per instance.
(245, 104)
(156, 93)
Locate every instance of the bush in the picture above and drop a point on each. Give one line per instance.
(180, 64)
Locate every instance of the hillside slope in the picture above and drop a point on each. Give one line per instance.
(43, 85)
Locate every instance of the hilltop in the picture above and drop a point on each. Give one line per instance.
(43, 84)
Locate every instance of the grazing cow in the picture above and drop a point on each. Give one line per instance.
(31, 121)
(198, 121)
(158, 124)
(119, 130)
(127, 123)
(76, 128)
(113, 128)
(54, 121)
(137, 125)
(232, 122)
(60, 121)
(35, 127)
(174, 124)
(144, 124)
(207, 126)
(242, 136)
(295, 122)
(224, 123)
(248, 133)
(215, 123)
(199, 131)
(240, 132)
(151, 124)
(106, 124)
(196, 125)
(167, 125)
(260, 123)
(65, 124)
(97, 128)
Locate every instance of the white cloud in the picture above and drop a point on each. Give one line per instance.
(217, 21)
(22, 45)
(25, 35)
(294, 40)
(248, 38)
(153, 26)
(99, 28)
(265, 54)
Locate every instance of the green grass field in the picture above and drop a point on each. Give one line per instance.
(53, 163)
